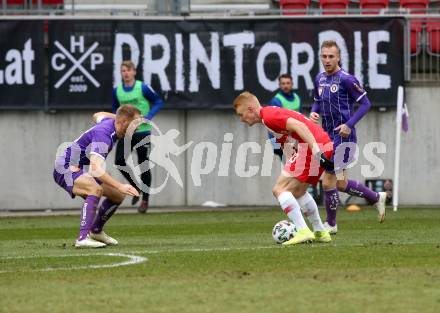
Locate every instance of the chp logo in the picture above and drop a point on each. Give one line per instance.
(71, 61)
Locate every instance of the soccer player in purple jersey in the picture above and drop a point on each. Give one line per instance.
(335, 93)
(80, 170)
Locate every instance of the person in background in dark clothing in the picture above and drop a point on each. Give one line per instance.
(148, 102)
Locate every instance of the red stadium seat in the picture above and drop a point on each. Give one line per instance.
(49, 2)
(53, 1)
(334, 6)
(373, 6)
(433, 37)
(416, 27)
(416, 6)
(298, 7)
(35, 2)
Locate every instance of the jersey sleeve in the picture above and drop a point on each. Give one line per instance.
(154, 98)
(115, 101)
(100, 144)
(276, 102)
(354, 89)
(275, 120)
(316, 97)
(101, 118)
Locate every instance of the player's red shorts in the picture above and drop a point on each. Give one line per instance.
(304, 167)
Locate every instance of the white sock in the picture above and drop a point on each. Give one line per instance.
(310, 210)
(292, 209)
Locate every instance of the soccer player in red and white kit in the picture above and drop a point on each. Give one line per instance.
(304, 167)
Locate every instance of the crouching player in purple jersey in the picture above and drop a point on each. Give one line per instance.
(81, 172)
(335, 94)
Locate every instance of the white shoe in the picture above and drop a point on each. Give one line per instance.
(103, 237)
(380, 206)
(331, 229)
(89, 243)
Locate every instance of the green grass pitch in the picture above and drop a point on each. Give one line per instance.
(222, 262)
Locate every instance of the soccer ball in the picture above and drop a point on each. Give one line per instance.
(283, 231)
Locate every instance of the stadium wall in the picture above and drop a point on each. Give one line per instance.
(30, 140)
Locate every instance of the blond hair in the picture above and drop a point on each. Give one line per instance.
(128, 111)
(128, 64)
(329, 44)
(242, 98)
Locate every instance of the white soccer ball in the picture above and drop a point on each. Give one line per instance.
(283, 231)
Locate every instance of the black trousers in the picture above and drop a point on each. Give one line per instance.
(143, 153)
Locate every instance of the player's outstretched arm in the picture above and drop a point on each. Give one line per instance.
(99, 116)
(97, 170)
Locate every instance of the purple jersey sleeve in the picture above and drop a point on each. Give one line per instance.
(358, 94)
(364, 106)
(316, 97)
(315, 107)
(353, 88)
(101, 143)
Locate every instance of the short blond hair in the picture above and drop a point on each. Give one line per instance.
(128, 64)
(242, 98)
(128, 111)
(330, 44)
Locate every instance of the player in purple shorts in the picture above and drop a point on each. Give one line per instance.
(335, 93)
(80, 170)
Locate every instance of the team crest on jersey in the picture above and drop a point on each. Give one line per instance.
(334, 88)
(320, 89)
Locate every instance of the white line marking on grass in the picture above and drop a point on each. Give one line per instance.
(205, 249)
(275, 246)
(132, 259)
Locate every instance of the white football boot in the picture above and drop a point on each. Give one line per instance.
(380, 206)
(331, 229)
(89, 243)
(103, 237)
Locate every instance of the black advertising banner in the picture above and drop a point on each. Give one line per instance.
(200, 64)
(81, 62)
(21, 64)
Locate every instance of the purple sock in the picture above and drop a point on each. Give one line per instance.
(331, 205)
(87, 216)
(106, 211)
(355, 188)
